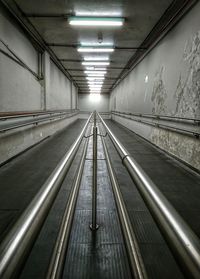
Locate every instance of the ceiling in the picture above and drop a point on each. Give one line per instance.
(50, 20)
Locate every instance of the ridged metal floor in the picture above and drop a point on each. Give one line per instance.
(101, 254)
(179, 184)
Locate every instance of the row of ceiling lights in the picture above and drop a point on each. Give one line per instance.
(95, 76)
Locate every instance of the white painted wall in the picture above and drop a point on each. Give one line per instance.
(166, 82)
(74, 96)
(91, 102)
(58, 87)
(19, 89)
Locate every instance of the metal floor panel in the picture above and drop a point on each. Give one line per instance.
(156, 255)
(103, 255)
(21, 178)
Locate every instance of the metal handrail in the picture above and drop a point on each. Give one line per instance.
(133, 251)
(157, 116)
(183, 242)
(158, 125)
(35, 114)
(37, 121)
(17, 244)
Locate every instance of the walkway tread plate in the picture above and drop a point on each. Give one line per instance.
(156, 255)
(101, 255)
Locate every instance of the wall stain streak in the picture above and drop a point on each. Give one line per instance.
(159, 94)
(187, 104)
(187, 93)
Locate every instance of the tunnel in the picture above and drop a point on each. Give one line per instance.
(99, 139)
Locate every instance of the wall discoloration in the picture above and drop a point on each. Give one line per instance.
(173, 69)
(184, 147)
(159, 94)
(187, 94)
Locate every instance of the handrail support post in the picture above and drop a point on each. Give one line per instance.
(94, 226)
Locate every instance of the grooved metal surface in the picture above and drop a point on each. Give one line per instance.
(100, 255)
(20, 180)
(157, 257)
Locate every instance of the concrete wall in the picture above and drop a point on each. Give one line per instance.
(166, 82)
(91, 102)
(74, 97)
(57, 87)
(21, 91)
(15, 141)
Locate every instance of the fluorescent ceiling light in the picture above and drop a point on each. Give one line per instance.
(95, 69)
(95, 72)
(95, 49)
(91, 63)
(95, 82)
(95, 89)
(95, 75)
(95, 85)
(95, 21)
(95, 78)
(90, 58)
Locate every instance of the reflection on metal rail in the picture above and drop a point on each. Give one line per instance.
(135, 259)
(184, 244)
(16, 246)
(94, 226)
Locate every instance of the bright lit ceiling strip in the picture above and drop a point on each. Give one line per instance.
(95, 69)
(95, 21)
(95, 82)
(95, 75)
(95, 49)
(96, 72)
(93, 63)
(95, 78)
(103, 58)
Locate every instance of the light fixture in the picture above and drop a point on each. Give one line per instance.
(95, 49)
(95, 72)
(95, 82)
(93, 63)
(96, 58)
(95, 21)
(95, 87)
(95, 78)
(95, 75)
(96, 69)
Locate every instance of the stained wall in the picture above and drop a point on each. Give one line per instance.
(166, 82)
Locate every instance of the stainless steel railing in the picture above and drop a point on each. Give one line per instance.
(16, 246)
(188, 126)
(8, 123)
(183, 242)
